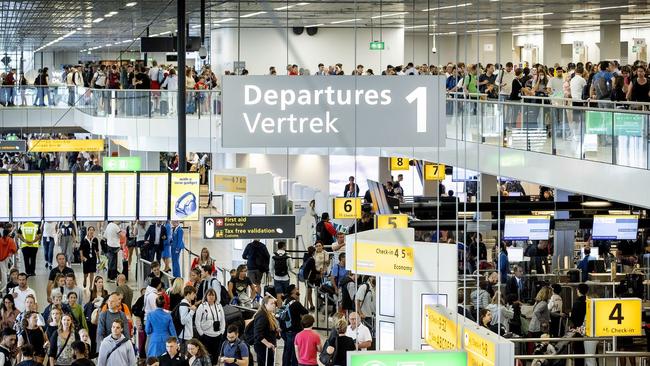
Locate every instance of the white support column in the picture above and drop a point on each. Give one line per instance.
(552, 50)
(610, 42)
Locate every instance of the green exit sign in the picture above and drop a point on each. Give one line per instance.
(122, 164)
(421, 358)
(376, 46)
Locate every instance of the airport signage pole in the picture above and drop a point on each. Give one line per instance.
(180, 49)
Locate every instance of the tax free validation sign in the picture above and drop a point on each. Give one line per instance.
(341, 111)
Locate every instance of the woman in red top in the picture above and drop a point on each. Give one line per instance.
(204, 259)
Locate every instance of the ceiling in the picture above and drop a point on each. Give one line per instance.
(52, 25)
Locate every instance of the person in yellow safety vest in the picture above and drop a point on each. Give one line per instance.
(29, 235)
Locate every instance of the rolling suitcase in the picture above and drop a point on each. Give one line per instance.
(164, 108)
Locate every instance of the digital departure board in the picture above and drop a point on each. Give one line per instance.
(58, 204)
(122, 190)
(154, 196)
(615, 227)
(527, 228)
(90, 197)
(26, 197)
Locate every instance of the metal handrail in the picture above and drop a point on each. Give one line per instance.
(573, 356)
(524, 340)
(553, 99)
(219, 269)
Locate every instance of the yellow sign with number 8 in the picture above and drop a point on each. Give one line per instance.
(400, 163)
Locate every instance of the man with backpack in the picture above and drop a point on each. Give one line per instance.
(325, 231)
(208, 282)
(257, 260)
(601, 87)
(183, 315)
(234, 351)
(106, 318)
(116, 348)
(280, 268)
(290, 316)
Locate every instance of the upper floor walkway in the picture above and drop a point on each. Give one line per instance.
(602, 149)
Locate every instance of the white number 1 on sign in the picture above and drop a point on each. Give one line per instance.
(419, 95)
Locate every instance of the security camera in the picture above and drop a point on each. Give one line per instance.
(434, 50)
(203, 52)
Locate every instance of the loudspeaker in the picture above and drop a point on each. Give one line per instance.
(298, 30)
(312, 31)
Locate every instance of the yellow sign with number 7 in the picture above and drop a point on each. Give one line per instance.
(434, 172)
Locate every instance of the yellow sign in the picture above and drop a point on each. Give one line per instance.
(347, 208)
(434, 171)
(616, 317)
(442, 332)
(589, 329)
(184, 196)
(480, 351)
(400, 164)
(381, 259)
(230, 183)
(66, 145)
(392, 221)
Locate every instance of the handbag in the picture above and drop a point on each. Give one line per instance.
(325, 358)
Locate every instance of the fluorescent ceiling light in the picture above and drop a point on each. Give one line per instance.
(418, 26)
(79, 28)
(530, 26)
(87, 26)
(284, 7)
(252, 14)
(442, 34)
(448, 7)
(196, 26)
(163, 33)
(314, 25)
(345, 21)
(225, 20)
(302, 4)
(596, 204)
(588, 22)
(108, 15)
(531, 33)
(128, 5)
(603, 8)
(89, 7)
(483, 30)
(526, 16)
(470, 21)
(97, 20)
(389, 15)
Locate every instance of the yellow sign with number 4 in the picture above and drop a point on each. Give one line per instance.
(347, 208)
(400, 164)
(614, 317)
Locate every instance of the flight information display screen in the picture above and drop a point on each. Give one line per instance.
(615, 227)
(26, 197)
(58, 203)
(527, 228)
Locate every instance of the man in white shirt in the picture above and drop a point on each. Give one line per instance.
(359, 332)
(365, 300)
(339, 246)
(504, 81)
(21, 292)
(112, 235)
(577, 85)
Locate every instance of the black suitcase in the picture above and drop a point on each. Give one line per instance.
(234, 316)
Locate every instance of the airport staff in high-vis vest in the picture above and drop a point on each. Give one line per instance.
(29, 234)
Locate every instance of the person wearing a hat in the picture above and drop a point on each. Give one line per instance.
(296, 312)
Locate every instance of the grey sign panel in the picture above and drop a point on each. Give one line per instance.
(16, 146)
(568, 225)
(333, 111)
(249, 227)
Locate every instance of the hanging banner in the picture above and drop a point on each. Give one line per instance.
(184, 196)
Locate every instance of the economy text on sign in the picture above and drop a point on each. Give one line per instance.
(400, 164)
(249, 227)
(381, 259)
(262, 111)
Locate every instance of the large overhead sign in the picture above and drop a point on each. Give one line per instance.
(66, 145)
(382, 259)
(345, 111)
(249, 227)
(13, 146)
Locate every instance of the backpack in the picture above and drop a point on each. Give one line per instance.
(302, 276)
(161, 77)
(280, 264)
(176, 318)
(261, 261)
(319, 228)
(347, 301)
(225, 296)
(249, 332)
(602, 88)
(284, 315)
(138, 308)
(38, 81)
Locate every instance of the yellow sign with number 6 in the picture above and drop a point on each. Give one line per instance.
(400, 164)
(347, 208)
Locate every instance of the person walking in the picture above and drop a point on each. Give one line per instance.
(67, 234)
(7, 250)
(210, 322)
(159, 327)
(112, 234)
(257, 261)
(116, 348)
(61, 353)
(177, 246)
(89, 252)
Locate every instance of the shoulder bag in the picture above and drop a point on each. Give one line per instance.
(325, 359)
